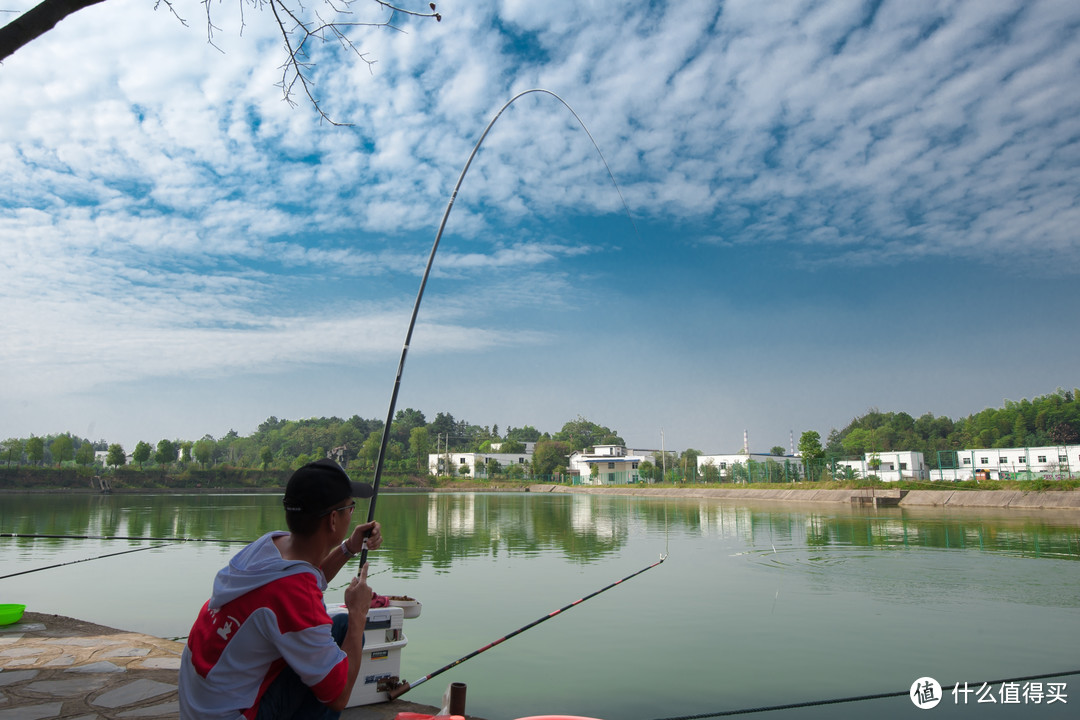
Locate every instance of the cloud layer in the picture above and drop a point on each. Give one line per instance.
(166, 214)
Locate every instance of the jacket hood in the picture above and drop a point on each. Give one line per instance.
(255, 566)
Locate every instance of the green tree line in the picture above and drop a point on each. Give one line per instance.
(1047, 420)
(280, 444)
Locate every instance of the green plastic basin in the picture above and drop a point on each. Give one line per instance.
(11, 614)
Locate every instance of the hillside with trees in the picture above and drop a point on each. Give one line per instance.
(1048, 420)
(279, 445)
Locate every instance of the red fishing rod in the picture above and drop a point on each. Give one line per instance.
(427, 271)
(404, 687)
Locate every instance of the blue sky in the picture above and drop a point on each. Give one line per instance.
(836, 206)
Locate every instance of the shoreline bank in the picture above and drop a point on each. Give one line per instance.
(237, 490)
(1001, 499)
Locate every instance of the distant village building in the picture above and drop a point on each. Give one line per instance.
(730, 465)
(473, 464)
(101, 457)
(614, 465)
(1050, 462)
(339, 454)
(889, 466)
(1053, 462)
(530, 447)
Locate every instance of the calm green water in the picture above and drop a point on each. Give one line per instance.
(756, 605)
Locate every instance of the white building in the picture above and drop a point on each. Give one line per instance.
(530, 447)
(890, 466)
(466, 463)
(615, 464)
(726, 464)
(101, 457)
(1054, 462)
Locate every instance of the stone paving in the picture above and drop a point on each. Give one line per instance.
(52, 667)
(57, 667)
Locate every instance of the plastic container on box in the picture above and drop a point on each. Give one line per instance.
(410, 606)
(383, 625)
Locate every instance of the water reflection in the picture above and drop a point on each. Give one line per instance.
(834, 600)
(226, 517)
(1018, 536)
(438, 527)
(1051, 534)
(460, 525)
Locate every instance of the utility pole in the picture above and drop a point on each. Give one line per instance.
(663, 457)
(440, 462)
(446, 450)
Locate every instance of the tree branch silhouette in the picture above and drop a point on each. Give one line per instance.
(298, 25)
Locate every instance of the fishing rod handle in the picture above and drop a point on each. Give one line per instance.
(399, 690)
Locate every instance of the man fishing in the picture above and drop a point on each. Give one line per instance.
(263, 646)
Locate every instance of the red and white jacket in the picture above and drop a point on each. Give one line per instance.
(265, 612)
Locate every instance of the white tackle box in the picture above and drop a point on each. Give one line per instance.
(383, 642)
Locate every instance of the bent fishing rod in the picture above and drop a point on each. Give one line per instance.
(404, 687)
(427, 271)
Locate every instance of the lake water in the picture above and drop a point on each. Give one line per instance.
(756, 605)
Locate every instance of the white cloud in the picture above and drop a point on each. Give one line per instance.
(162, 205)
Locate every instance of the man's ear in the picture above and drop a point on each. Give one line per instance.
(328, 524)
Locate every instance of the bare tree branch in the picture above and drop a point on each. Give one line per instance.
(37, 21)
(298, 27)
(296, 33)
(394, 8)
(172, 9)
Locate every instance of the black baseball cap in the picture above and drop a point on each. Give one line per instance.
(320, 485)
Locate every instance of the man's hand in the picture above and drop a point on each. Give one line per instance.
(358, 595)
(374, 540)
(358, 601)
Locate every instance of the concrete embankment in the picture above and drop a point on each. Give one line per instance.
(1015, 499)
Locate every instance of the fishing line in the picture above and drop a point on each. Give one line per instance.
(427, 271)
(342, 586)
(72, 562)
(859, 698)
(403, 688)
(667, 537)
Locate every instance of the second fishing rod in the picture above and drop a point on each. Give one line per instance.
(164, 542)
